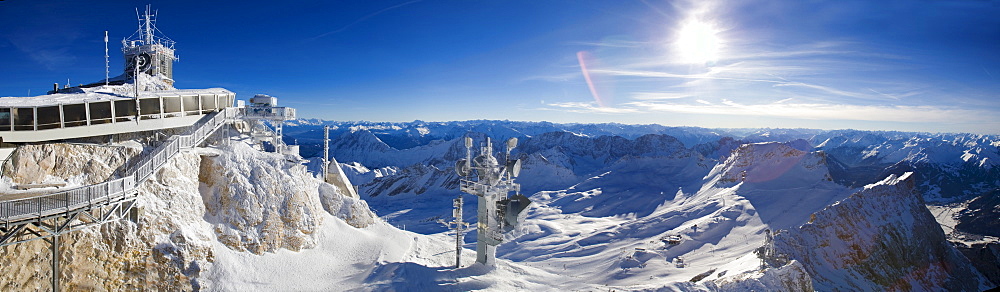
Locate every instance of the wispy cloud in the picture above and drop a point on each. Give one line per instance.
(787, 109)
(829, 80)
(659, 95)
(824, 89)
(574, 75)
(587, 107)
(363, 18)
(743, 73)
(612, 44)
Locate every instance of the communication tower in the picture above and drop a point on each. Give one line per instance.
(493, 183)
(146, 51)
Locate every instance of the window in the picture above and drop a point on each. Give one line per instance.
(149, 108)
(124, 110)
(4, 119)
(48, 117)
(24, 119)
(75, 115)
(100, 112)
(171, 104)
(191, 104)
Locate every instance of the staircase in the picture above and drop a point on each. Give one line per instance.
(53, 214)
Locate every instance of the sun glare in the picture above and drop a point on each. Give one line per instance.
(697, 43)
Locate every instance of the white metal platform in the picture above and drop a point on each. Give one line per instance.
(67, 116)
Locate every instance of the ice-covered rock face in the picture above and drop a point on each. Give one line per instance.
(73, 164)
(880, 238)
(260, 202)
(245, 199)
(165, 250)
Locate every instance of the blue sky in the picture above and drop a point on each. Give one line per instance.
(883, 65)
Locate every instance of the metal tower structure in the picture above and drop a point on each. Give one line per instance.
(326, 151)
(493, 183)
(460, 228)
(145, 51)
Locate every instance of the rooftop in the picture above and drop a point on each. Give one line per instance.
(153, 86)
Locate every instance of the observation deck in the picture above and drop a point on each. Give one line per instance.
(95, 113)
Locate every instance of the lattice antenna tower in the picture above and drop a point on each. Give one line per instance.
(498, 210)
(147, 50)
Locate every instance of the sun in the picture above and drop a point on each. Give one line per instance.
(697, 42)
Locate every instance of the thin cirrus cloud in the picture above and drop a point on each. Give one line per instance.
(907, 114)
(588, 107)
(825, 81)
(786, 108)
(791, 64)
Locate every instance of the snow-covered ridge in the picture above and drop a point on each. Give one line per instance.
(880, 238)
(772, 164)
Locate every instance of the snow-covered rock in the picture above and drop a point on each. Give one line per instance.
(772, 164)
(202, 204)
(74, 164)
(880, 238)
(258, 201)
(790, 277)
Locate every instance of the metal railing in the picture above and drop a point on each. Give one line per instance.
(68, 201)
(195, 135)
(279, 113)
(472, 187)
(18, 119)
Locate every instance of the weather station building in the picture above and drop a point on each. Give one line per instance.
(142, 98)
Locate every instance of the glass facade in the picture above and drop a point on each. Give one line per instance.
(103, 112)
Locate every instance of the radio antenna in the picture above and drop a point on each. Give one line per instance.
(107, 69)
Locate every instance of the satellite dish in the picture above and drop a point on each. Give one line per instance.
(468, 142)
(462, 167)
(511, 143)
(143, 61)
(513, 168)
(513, 208)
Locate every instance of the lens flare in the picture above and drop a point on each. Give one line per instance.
(697, 42)
(584, 58)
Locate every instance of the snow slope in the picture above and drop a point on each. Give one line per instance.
(720, 223)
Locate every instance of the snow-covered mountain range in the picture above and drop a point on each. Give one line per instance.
(615, 207)
(606, 194)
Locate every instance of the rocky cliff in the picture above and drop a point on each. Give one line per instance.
(880, 238)
(248, 200)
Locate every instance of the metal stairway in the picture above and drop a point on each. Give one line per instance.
(50, 215)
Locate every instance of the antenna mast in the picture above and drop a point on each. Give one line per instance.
(107, 68)
(326, 151)
(148, 23)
